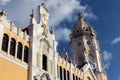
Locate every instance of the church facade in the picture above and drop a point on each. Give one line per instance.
(30, 53)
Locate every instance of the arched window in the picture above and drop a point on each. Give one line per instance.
(60, 73)
(73, 77)
(44, 62)
(26, 54)
(5, 42)
(64, 74)
(19, 51)
(76, 78)
(12, 46)
(68, 75)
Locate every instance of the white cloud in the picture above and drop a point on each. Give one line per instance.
(118, 78)
(116, 40)
(106, 65)
(19, 10)
(59, 9)
(3, 2)
(62, 34)
(107, 57)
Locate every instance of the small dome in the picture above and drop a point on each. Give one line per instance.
(81, 28)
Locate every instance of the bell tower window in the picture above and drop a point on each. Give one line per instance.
(88, 42)
(78, 30)
(79, 44)
(86, 29)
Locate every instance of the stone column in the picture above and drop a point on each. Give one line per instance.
(71, 76)
(48, 64)
(23, 54)
(66, 75)
(62, 74)
(16, 48)
(1, 39)
(8, 50)
(41, 61)
(58, 72)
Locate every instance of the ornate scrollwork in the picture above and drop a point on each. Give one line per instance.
(45, 76)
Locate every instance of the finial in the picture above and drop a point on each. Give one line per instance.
(43, 4)
(51, 30)
(32, 15)
(11, 24)
(64, 54)
(80, 15)
(3, 12)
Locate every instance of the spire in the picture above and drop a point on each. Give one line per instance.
(32, 15)
(3, 12)
(64, 54)
(33, 20)
(11, 25)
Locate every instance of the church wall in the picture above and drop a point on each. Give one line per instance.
(42, 44)
(12, 68)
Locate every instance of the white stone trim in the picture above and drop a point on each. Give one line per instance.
(93, 74)
(9, 42)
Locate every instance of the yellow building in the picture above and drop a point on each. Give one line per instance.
(30, 53)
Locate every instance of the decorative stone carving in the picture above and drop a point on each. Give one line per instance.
(18, 31)
(45, 76)
(11, 26)
(45, 30)
(25, 34)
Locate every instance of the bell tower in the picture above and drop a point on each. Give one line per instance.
(85, 47)
(82, 41)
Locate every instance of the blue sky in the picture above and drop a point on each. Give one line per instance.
(103, 16)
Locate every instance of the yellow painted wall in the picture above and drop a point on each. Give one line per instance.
(11, 71)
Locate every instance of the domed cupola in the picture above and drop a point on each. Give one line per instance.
(81, 41)
(81, 28)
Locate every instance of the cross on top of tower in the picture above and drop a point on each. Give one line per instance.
(80, 15)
